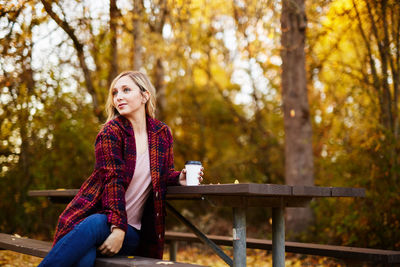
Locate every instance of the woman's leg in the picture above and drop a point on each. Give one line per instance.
(88, 234)
(131, 242)
(88, 259)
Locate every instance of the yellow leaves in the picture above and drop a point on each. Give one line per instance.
(220, 74)
(342, 5)
(255, 257)
(377, 147)
(14, 259)
(200, 77)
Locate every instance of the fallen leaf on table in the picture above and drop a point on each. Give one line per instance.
(165, 262)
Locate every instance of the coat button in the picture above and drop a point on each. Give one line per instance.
(159, 236)
(156, 194)
(158, 214)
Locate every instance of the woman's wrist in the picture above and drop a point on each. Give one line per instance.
(118, 232)
(115, 228)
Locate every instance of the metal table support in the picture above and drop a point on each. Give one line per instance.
(239, 237)
(278, 237)
(200, 235)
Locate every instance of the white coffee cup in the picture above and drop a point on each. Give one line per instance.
(193, 169)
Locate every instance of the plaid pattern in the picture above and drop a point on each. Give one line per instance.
(104, 191)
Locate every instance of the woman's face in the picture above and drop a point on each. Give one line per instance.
(127, 97)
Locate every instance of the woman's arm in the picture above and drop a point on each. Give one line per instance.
(172, 175)
(175, 177)
(110, 163)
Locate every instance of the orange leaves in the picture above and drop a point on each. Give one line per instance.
(14, 259)
(199, 254)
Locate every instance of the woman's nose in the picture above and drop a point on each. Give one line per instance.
(118, 96)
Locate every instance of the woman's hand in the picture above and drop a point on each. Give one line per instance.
(182, 176)
(113, 243)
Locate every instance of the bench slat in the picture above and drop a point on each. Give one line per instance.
(41, 248)
(27, 246)
(121, 261)
(341, 252)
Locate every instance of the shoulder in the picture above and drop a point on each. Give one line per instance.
(161, 128)
(111, 128)
(157, 126)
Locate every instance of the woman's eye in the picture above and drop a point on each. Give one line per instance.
(127, 89)
(114, 92)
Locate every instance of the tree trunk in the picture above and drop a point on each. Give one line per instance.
(299, 166)
(113, 42)
(160, 86)
(137, 36)
(159, 81)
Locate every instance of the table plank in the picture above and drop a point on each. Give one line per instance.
(231, 189)
(244, 190)
(257, 201)
(347, 192)
(252, 189)
(311, 191)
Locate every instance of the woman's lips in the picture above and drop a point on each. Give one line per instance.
(121, 105)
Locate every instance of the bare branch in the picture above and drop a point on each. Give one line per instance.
(81, 56)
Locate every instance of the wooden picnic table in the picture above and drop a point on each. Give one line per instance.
(239, 197)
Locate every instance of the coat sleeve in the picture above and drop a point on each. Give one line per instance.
(111, 165)
(172, 175)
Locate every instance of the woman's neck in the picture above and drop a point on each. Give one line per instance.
(138, 121)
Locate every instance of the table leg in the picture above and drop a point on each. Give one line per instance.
(239, 237)
(200, 235)
(278, 237)
(173, 249)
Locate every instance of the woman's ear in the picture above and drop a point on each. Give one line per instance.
(145, 97)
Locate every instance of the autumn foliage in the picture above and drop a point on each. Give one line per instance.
(216, 66)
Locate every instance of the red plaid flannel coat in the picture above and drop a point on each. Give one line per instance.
(104, 191)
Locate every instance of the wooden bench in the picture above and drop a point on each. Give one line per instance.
(41, 248)
(349, 254)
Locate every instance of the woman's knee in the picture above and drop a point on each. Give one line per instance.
(95, 224)
(97, 219)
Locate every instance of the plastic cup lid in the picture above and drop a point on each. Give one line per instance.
(192, 162)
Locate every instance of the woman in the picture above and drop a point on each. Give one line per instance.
(120, 208)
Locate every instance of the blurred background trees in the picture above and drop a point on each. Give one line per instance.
(217, 69)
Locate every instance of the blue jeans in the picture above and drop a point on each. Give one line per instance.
(78, 247)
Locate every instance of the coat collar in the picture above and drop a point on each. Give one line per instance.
(153, 125)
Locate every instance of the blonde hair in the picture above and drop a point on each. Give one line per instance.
(144, 84)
